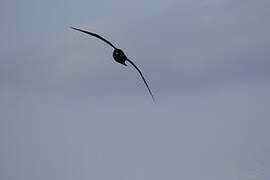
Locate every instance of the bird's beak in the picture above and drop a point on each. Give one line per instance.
(124, 63)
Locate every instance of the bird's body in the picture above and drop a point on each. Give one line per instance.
(118, 55)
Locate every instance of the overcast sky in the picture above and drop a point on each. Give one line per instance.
(68, 111)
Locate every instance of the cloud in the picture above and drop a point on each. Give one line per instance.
(68, 111)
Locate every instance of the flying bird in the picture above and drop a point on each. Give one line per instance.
(119, 56)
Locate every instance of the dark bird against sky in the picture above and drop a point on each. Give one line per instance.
(119, 56)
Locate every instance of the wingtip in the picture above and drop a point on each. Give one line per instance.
(154, 101)
(153, 98)
(74, 28)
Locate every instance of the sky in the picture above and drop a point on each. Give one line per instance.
(69, 111)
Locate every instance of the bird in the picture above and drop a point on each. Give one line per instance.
(119, 56)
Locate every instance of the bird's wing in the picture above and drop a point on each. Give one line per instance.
(95, 35)
(142, 78)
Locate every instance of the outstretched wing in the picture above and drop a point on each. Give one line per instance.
(142, 78)
(95, 35)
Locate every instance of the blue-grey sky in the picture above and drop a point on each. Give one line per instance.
(68, 111)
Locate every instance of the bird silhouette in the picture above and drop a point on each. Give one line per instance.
(119, 56)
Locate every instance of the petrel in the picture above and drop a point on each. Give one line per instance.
(118, 55)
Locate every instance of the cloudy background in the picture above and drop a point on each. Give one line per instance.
(68, 111)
